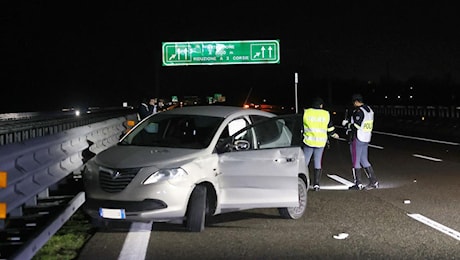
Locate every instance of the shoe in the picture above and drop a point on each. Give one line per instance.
(356, 187)
(316, 187)
(372, 186)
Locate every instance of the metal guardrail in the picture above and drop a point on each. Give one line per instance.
(34, 166)
(31, 246)
(440, 122)
(18, 127)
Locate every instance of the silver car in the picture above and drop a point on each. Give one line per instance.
(188, 164)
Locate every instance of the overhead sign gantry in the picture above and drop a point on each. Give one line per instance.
(220, 52)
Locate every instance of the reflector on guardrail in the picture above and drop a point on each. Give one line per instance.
(2, 210)
(2, 204)
(2, 179)
(131, 123)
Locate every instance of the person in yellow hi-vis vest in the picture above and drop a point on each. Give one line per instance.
(317, 127)
(360, 127)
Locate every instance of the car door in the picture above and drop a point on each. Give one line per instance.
(261, 165)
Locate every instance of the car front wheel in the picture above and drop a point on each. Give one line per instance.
(196, 210)
(296, 212)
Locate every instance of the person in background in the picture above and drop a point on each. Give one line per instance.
(161, 105)
(317, 127)
(360, 126)
(147, 107)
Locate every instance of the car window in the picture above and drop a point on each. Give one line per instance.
(257, 118)
(237, 125)
(282, 131)
(273, 133)
(181, 131)
(233, 127)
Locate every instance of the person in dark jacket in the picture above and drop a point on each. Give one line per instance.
(147, 107)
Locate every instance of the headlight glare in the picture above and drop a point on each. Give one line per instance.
(165, 174)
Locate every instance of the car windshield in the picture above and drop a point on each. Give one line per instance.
(179, 131)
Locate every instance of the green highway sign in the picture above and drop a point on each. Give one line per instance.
(221, 52)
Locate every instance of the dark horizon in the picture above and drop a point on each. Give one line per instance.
(61, 54)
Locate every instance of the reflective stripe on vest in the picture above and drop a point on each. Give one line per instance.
(315, 125)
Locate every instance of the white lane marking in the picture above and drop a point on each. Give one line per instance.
(427, 157)
(417, 138)
(334, 187)
(446, 230)
(340, 179)
(136, 242)
(375, 146)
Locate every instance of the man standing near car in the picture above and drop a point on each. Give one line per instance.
(317, 126)
(147, 107)
(360, 129)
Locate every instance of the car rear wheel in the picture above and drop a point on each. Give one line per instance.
(296, 212)
(196, 210)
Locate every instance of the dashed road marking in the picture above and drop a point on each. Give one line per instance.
(340, 179)
(427, 157)
(136, 242)
(446, 230)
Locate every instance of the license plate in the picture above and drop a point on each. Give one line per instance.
(112, 213)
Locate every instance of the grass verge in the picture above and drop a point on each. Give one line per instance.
(68, 240)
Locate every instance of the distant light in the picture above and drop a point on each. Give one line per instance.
(399, 97)
(369, 82)
(411, 96)
(125, 104)
(386, 97)
(77, 112)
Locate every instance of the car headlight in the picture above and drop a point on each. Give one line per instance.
(165, 174)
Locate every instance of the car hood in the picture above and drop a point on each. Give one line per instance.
(137, 156)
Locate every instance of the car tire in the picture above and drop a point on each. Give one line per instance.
(196, 210)
(296, 212)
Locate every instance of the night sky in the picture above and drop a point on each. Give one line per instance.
(58, 54)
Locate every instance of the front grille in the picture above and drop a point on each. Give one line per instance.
(115, 180)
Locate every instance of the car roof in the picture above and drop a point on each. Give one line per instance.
(217, 111)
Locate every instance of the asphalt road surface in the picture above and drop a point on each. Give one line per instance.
(413, 215)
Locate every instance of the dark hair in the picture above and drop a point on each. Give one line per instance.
(317, 102)
(357, 97)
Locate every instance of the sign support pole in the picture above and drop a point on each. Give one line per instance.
(296, 80)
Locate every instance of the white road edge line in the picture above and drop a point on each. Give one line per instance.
(136, 242)
(376, 146)
(418, 138)
(427, 157)
(446, 230)
(340, 179)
